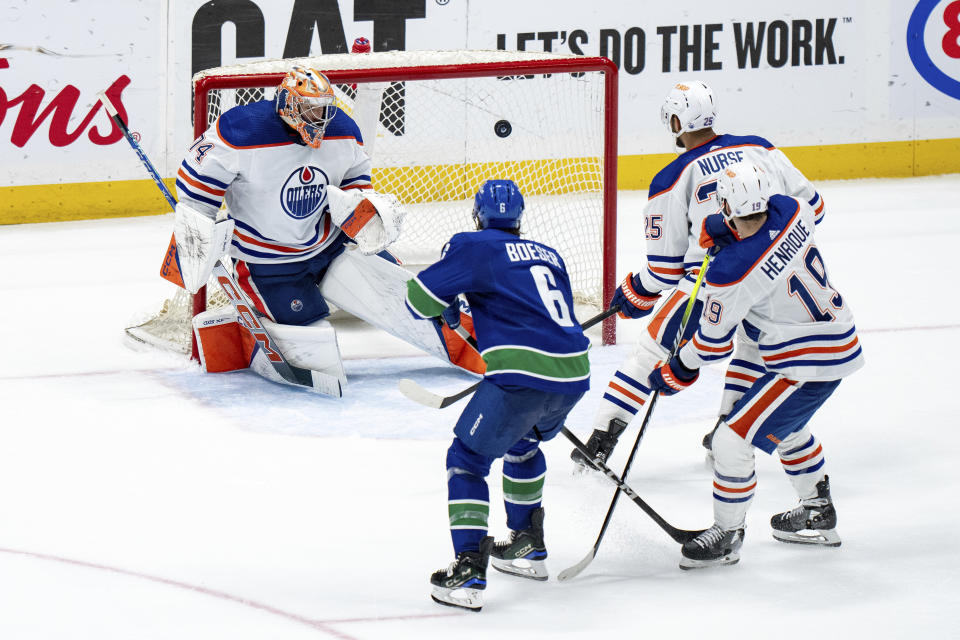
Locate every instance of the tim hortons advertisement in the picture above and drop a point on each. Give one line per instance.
(827, 74)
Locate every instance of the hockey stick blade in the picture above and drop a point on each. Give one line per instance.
(572, 572)
(415, 392)
(678, 535)
(418, 394)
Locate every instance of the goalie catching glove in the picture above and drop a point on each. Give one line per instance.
(371, 219)
(200, 243)
(673, 377)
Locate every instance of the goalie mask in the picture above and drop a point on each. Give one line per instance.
(305, 101)
(693, 104)
(498, 205)
(744, 189)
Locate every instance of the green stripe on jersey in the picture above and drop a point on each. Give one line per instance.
(527, 491)
(465, 514)
(561, 367)
(422, 300)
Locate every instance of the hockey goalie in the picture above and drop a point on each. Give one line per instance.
(305, 228)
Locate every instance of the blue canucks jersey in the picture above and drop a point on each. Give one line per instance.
(522, 307)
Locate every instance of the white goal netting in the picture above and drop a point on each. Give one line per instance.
(436, 125)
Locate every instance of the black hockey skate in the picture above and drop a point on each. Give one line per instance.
(462, 583)
(524, 553)
(813, 521)
(601, 443)
(713, 547)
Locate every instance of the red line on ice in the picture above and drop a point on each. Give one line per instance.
(320, 625)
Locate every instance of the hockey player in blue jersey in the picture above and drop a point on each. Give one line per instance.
(773, 283)
(537, 369)
(680, 225)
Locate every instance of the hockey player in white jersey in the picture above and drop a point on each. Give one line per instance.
(681, 223)
(294, 175)
(772, 282)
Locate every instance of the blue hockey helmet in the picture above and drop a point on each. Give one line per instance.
(498, 205)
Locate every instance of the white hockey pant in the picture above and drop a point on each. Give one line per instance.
(735, 479)
(743, 370)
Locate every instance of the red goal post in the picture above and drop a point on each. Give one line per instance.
(446, 120)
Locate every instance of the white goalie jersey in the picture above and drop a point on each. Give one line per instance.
(774, 283)
(274, 186)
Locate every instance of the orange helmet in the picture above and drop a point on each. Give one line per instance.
(305, 101)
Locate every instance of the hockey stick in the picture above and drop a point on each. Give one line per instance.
(417, 393)
(679, 535)
(575, 570)
(246, 312)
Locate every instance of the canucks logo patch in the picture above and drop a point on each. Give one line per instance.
(304, 192)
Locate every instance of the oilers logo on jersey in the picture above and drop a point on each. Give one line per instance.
(304, 192)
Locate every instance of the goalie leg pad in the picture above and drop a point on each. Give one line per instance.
(460, 352)
(311, 347)
(375, 291)
(224, 345)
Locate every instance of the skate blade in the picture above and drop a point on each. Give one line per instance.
(689, 563)
(532, 569)
(469, 599)
(821, 537)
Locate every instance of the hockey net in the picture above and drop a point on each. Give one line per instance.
(436, 125)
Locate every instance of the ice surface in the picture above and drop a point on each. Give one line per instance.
(142, 499)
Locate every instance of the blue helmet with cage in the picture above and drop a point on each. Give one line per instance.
(498, 205)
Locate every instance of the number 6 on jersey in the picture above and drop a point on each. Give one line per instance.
(552, 298)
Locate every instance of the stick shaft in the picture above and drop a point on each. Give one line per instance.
(643, 427)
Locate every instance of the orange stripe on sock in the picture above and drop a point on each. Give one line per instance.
(632, 396)
(804, 458)
(731, 490)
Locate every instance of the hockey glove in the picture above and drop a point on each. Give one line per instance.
(451, 315)
(715, 232)
(673, 377)
(371, 219)
(632, 299)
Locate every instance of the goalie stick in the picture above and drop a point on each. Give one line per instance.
(247, 313)
(417, 393)
(575, 570)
